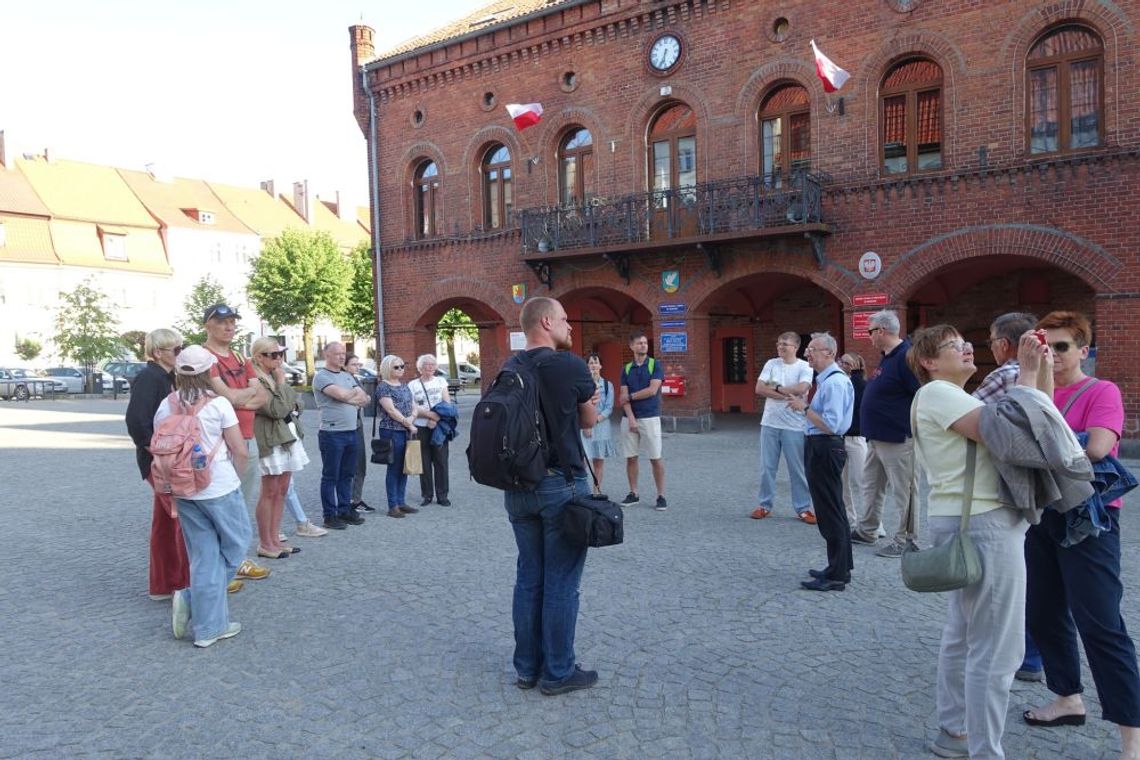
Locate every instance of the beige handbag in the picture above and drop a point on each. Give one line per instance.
(413, 464)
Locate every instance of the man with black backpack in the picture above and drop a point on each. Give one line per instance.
(545, 608)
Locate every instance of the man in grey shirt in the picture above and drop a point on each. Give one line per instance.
(338, 398)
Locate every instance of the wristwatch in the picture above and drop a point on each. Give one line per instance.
(777, 387)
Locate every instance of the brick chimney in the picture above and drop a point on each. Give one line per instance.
(302, 201)
(267, 186)
(344, 210)
(363, 51)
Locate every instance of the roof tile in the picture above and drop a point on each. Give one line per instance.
(484, 16)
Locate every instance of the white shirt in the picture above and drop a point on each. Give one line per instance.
(427, 394)
(213, 419)
(777, 413)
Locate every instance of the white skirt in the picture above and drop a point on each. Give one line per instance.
(282, 459)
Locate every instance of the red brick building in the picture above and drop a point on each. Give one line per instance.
(691, 177)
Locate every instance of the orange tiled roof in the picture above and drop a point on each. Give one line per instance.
(170, 202)
(364, 216)
(485, 16)
(17, 195)
(75, 190)
(27, 239)
(78, 243)
(346, 233)
(257, 209)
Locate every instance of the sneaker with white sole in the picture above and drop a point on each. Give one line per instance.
(661, 504)
(233, 629)
(893, 550)
(180, 613)
(309, 530)
(282, 538)
(950, 746)
(630, 500)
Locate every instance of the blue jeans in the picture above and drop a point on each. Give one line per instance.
(338, 464)
(773, 441)
(395, 481)
(545, 609)
(293, 504)
(217, 532)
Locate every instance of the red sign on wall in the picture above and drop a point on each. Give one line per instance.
(870, 299)
(860, 321)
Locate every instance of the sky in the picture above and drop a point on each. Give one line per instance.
(232, 91)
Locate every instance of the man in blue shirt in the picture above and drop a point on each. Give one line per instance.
(828, 417)
(641, 418)
(884, 420)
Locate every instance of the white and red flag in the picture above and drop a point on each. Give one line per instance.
(525, 114)
(831, 75)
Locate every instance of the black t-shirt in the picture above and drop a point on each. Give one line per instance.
(566, 382)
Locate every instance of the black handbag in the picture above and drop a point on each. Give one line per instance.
(593, 520)
(382, 449)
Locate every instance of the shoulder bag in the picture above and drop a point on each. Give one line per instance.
(382, 450)
(957, 563)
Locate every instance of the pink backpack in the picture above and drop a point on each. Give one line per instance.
(172, 447)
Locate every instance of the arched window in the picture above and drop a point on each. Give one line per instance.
(911, 98)
(497, 202)
(576, 167)
(785, 133)
(427, 200)
(673, 152)
(1066, 104)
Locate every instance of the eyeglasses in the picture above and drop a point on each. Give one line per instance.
(1062, 346)
(397, 366)
(176, 350)
(811, 350)
(873, 330)
(273, 354)
(961, 346)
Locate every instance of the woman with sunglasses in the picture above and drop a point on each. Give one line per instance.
(983, 640)
(279, 446)
(396, 422)
(1077, 589)
(169, 568)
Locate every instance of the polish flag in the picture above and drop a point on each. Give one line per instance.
(831, 75)
(525, 114)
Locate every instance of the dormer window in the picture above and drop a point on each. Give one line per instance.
(114, 241)
(201, 216)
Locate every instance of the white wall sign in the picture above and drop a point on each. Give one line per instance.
(518, 341)
(870, 265)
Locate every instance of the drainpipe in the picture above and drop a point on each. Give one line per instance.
(374, 193)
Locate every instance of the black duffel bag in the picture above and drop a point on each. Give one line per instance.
(593, 520)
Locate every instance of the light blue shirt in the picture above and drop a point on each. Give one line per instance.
(834, 401)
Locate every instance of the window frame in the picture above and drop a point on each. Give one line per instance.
(1064, 62)
(783, 115)
(425, 199)
(583, 184)
(673, 137)
(498, 191)
(911, 92)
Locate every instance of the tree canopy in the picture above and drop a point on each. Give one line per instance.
(359, 315)
(86, 326)
(206, 292)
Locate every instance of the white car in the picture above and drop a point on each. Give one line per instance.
(468, 373)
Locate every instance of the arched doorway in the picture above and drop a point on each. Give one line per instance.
(486, 339)
(602, 320)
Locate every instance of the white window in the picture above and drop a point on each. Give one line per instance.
(114, 246)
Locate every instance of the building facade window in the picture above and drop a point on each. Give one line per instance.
(114, 244)
(1065, 71)
(911, 116)
(426, 189)
(785, 133)
(576, 167)
(673, 154)
(497, 200)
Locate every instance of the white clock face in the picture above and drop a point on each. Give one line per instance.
(665, 52)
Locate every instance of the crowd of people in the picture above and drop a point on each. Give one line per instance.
(854, 447)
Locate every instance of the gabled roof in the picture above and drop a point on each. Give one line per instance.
(364, 217)
(486, 16)
(257, 209)
(27, 239)
(171, 201)
(92, 193)
(346, 233)
(17, 195)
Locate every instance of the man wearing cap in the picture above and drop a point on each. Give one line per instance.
(234, 379)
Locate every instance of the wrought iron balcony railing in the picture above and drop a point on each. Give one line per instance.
(740, 205)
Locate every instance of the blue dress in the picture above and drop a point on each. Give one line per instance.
(600, 445)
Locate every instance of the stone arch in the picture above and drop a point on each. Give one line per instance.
(758, 85)
(1105, 19)
(1071, 253)
(921, 43)
(835, 280)
(473, 155)
(647, 107)
(412, 157)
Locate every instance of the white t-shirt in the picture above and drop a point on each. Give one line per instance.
(943, 452)
(434, 388)
(215, 417)
(777, 414)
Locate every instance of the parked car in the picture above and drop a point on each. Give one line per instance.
(454, 384)
(294, 374)
(469, 373)
(125, 369)
(21, 385)
(70, 377)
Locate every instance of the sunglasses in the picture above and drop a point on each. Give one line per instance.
(397, 366)
(274, 354)
(221, 311)
(1061, 346)
(176, 350)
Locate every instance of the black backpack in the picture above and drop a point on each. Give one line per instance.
(508, 448)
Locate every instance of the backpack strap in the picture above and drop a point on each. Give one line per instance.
(194, 410)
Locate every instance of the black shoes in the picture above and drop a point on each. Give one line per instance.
(526, 683)
(426, 501)
(334, 523)
(822, 584)
(579, 679)
(817, 573)
(444, 503)
(362, 507)
(352, 518)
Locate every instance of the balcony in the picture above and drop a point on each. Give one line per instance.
(706, 215)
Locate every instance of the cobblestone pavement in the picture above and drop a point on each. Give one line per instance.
(393, 639)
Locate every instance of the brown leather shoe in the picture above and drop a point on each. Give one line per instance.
(760, 513)
(395, 512)
(407, 510)
(808, 517)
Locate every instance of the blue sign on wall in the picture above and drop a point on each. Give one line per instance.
(671, 309)
(674, 342)
(672, 323)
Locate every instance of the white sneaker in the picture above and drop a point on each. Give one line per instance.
(233, 629)
(180, 613)
(310, 530)
(282, 538)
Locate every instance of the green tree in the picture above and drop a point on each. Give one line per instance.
(206, 293)
(299, 277)
(455, 322)
(135, 341)
(359, 314)
(28, 349)
(86, 327)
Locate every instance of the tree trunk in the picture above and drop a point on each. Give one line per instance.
(452, 367)
(307, 347)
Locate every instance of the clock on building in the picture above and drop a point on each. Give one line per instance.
(665, 52)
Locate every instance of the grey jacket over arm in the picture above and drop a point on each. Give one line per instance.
(1039, 462)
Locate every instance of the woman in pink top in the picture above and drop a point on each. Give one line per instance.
(1077, 589)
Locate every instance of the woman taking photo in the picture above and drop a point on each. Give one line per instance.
(1077, 589)
(215, 524)
(279, 447)
(396, 423)
(983, 640)
(598, 442)
(427, 391)
(169, 568)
